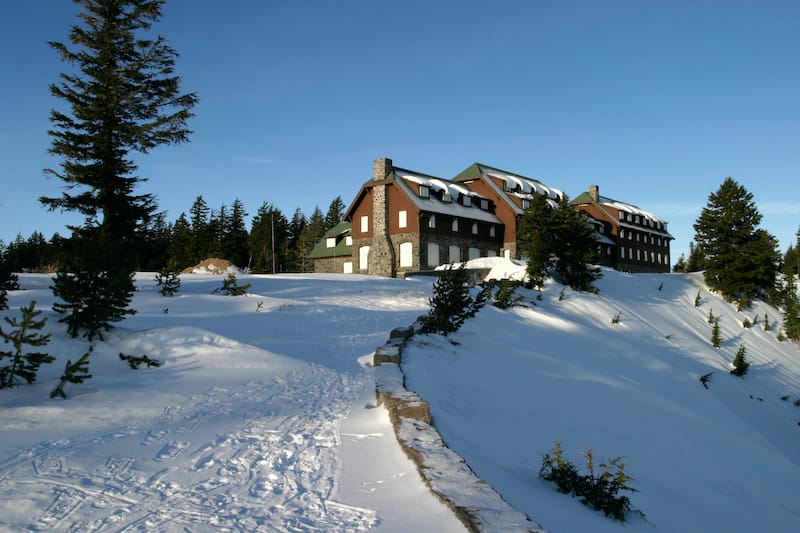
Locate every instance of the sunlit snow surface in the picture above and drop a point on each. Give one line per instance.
(263, 415)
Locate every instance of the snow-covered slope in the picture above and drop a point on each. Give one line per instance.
(512, 383)
(263, 415)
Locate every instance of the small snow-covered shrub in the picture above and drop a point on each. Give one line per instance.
(598, 488)
(24, 365)
(76, 372)
(168, 281)
(506, 295)
(231, 287)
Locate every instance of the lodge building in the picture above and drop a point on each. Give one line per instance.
(402, 221)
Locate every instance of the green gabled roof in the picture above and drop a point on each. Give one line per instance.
(475, 170)
(321, 249)
(582, 198)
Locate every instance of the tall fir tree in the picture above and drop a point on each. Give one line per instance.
(335, 213)
(181, 245)
(741, 260)
(294, 231)
(558, 239)
(535, 238)
(311, 233)
(235, 237)
(122, 97)
(268, 242)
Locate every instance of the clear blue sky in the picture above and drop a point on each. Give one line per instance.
(655, 101)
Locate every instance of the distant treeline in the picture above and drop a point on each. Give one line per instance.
(271, 241)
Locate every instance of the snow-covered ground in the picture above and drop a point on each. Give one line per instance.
(263, 416)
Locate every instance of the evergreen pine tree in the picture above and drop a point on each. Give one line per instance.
(168, 281)
(23, 365)
(557, 238)
(716, 338)
(235, 236)
(335, 213)
(76, 372)
(181, 246)
(535, 238)
(740, 364)
(680, 265)
(201, 230)
(268, 241)
(122, 97)
(452, 303)
(576, 249)
(697, 259)
(741, 260)
(309, 236)
(294, 230)
(791, 306)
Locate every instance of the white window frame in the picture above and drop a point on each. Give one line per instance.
(406, 254)
(402, 219)
(363, 258)
(364, 223)
(330, 242)
(433, 254)
(424, 192)
(454, 254)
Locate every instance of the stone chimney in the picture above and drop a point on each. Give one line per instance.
(381, 168)
(594, 193)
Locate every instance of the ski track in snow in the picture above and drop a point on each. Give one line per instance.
(275, 470)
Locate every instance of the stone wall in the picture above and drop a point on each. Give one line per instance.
(479, 507)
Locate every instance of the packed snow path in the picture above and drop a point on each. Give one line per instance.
(229, 435)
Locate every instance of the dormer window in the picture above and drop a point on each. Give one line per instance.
(330, 242)
(446, 197)
(526, 204)
(424, 192)
(467, 201)
(484, 204)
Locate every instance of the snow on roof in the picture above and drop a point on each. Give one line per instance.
(527, 186)
(434, 205)
(630, 208)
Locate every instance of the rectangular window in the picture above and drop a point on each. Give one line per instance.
(473, 253)
(491, 231)
(622, 252)
(348, 267)
(406, 257)
(446, 198)
(526, 204)
(455, 254)
(348, 240)
(474, 228)
(403, 222)
(423, 191)
(432, 223)
(455, 224)
(364, 224)
(363, 258)
(433, 254)
(621, 233)
(484, 204)
(467, 200)
(330, 242)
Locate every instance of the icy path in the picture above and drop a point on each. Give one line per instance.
(256, 422)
